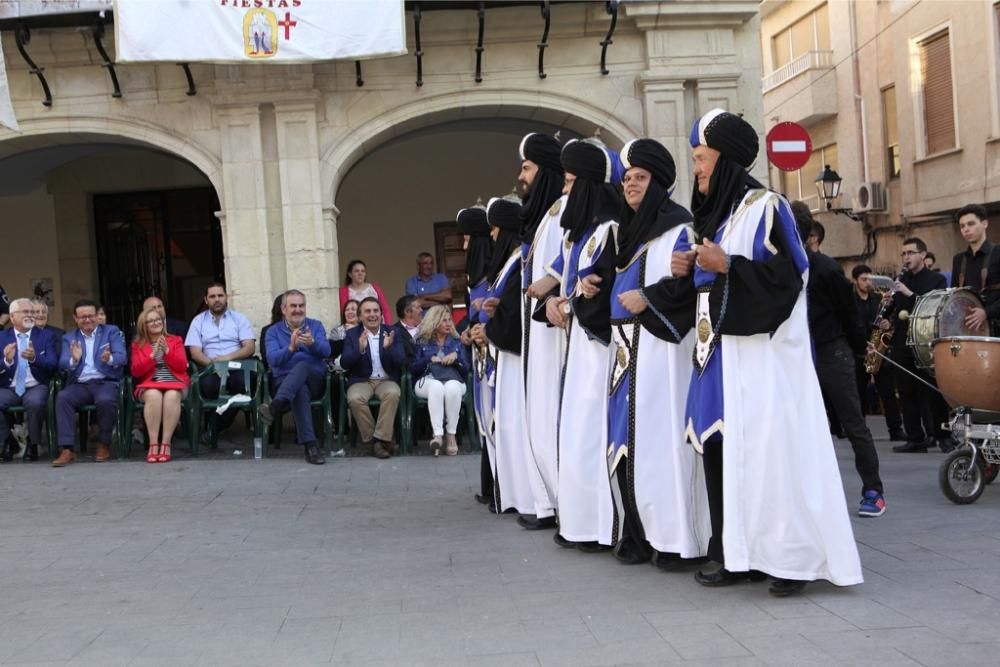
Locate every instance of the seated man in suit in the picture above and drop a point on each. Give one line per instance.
(296, 350)
(373, 358)
(29, 362)
(93, 357)
(409, 315)
(42, 323)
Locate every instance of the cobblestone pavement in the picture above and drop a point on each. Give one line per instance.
(236, 562)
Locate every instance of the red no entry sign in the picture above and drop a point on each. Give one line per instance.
(788, 146)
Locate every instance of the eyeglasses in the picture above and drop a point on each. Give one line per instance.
(907, 253)
(86, 318)
(154, 321)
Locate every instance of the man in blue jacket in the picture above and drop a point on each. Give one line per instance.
(373, 358)
(93, 357)
(29, 362)
(296, 350)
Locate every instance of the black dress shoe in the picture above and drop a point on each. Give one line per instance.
(897, 435)
(31, 454)
(670, 562)
(314, 454)
(911, 447)
(563, 542)
(591, 547)
(723, 577)
(631, 552)
(485, 500)
(781, 588)
(531, 522)
(946, 444)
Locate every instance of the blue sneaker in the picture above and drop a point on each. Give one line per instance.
(872, 504)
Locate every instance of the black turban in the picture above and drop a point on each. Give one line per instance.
(727, 133)
(504, 213)
(546, 188)
(472, 222)
(593, 199)
(541, 149)
(652, 156)
(657, 213)
(737, 144)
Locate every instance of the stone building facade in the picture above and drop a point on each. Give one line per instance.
(276, 143)
(896, 94)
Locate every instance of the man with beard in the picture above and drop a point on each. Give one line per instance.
(657, 480)
(543, 348)
(754, 407)
(585, 266)
(478, 244)
(517, 476)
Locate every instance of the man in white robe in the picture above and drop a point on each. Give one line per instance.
(754, 407)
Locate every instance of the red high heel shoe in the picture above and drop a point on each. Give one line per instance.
(164, 456)
(153, 454)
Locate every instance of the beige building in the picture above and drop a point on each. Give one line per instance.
(901, 98)
(275, 176)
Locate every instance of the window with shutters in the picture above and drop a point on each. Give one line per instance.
(893, 164)
(936, 93)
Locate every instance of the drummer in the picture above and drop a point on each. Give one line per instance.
(924, 410)
(978, 267)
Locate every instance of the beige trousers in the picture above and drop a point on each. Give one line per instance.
(387, 392)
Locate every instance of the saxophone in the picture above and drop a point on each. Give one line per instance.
(880, 337)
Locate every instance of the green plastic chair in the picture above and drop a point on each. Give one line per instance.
(468, 414)
(323, 405)
(133, 405)
(50, 416)
(201, 405)
(85, 411)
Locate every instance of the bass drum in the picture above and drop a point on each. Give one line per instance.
(968, 371)
(939, 314)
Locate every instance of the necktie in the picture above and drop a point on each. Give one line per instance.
(22, 365)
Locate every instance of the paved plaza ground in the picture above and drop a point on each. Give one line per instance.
(228, 561)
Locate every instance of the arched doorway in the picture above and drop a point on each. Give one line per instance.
(401, 196)
(107, 217)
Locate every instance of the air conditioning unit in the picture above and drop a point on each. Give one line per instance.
(870, 198)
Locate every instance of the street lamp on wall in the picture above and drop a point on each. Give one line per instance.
(828, 185)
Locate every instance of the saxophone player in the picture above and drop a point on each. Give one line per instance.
(867, 301)
(924, 410)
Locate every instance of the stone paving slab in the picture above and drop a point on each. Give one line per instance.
(228, 561)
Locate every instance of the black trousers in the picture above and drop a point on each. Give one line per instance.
(211, 383)
(924, 410)
(485, 472)
(712, 462)
(885, 388)
(835, 370)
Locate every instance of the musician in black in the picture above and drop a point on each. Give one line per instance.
(923, 408)
(978, 267)
(867, 302)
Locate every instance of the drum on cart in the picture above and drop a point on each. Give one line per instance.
(939, 314)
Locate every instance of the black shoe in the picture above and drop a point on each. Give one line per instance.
(563, 542)
(946, 444)
(911, 447)
(897, 435)
(591, 547)
(31, 454)
(531, 522)
(314, 454)
(266, 413)
(631, 552)
(781, 588)
(485, 500)
(723, 577)
(670, 562)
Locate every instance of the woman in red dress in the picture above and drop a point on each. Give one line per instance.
(159, 366)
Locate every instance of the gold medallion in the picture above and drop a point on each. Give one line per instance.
(621, 357)
(592, 246)
(704, 330)
(556, 205)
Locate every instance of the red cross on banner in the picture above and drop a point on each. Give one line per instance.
(287, 24)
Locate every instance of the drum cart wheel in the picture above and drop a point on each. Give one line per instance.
(962, 480)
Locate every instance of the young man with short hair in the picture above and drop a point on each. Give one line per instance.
(978, 266)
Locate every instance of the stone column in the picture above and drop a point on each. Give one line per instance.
(311, 262)
(244, 213)
(663, 109)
